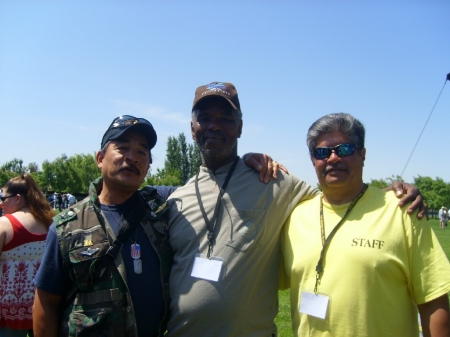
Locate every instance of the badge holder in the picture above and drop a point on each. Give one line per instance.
(313, 304)
(207, 269)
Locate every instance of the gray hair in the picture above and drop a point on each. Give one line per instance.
(103, 149)
(344, 123)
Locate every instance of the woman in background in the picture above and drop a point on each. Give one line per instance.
(23, 230)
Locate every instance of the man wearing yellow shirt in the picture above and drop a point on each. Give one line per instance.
(357, 264)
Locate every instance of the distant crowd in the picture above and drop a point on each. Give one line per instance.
(61, 201)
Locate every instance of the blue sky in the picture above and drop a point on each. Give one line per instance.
(67, 68)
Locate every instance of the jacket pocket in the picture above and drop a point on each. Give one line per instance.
(99, 312)
(246, 227)
(84, 261)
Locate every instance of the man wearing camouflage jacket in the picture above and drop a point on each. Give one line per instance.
(107, 259)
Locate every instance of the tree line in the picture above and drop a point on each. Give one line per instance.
(73, 174)
(64, 174)
(436, 192)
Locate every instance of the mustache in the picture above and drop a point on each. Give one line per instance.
(129, 167)
(339, 166)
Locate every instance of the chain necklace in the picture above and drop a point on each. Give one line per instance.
(135, 247)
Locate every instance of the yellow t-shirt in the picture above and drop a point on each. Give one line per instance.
(378, 267)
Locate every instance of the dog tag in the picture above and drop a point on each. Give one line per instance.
(135, 251)
(137, 263)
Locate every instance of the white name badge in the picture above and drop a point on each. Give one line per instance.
(206, 269)
(314, 304)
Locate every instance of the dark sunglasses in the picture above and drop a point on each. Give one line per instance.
(4, 198)
(127, 120)
(342, 150)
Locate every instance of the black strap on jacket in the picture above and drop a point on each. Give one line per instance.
(134, 211)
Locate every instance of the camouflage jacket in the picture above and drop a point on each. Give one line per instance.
(99, 303)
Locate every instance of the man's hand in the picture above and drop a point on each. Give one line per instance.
(411, 194)
(265, 165)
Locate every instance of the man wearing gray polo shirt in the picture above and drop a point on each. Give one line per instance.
(225, 230)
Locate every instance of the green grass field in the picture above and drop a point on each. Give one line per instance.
(283, 319)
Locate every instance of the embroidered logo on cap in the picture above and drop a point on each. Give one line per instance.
(215, 85)
(127, 122)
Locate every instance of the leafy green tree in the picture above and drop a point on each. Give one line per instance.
(435, 192)
(383, 183)
(32, 168)
(182, 162)
(15, 166)
(39, 179)
(70, 174)
(442, 189)
(185, 167)
(5, 176)
(173, 156)
(87, 170)
(163, 178)
(11, 169)
(379, 183)
(195, 158)
(58, 174)
(425, 185)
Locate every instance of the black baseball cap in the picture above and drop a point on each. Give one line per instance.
(126, 123)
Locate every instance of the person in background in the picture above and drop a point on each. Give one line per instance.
(72, 200)
(60, 201)
(55, 200)
(64, 200)
(443, 217)
(356, 263)
(23, 231)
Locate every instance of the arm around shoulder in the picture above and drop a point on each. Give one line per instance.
(45, 314)
(302, 190)
(435, 317)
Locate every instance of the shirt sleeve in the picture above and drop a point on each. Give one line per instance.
(52, 275)
(165, 191)
(430, 266)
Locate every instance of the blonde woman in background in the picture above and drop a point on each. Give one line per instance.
(23, 230)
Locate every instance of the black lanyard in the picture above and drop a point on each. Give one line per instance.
(326, 242)
(212, 224)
